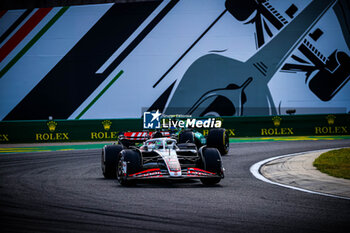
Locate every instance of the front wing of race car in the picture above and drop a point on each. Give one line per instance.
(188, 173)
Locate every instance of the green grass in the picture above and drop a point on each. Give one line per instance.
(335, 163)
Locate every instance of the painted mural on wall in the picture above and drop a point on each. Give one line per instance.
(228, 58)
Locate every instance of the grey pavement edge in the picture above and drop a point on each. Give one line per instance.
(298, 171)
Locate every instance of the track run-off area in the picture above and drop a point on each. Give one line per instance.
(60, 188)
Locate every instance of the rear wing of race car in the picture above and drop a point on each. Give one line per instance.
(141, 136)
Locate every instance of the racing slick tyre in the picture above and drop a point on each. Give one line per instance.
(187, 146)
(109, 158)
(186, 136)
(219, 139)
(157, 134)
(129, 163)
(211, 160)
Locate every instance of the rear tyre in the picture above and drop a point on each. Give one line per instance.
(129, 163)
(186, 136)
(219, 139)
(187, 146)
(109, 158)
(157, 134)
(211, 160)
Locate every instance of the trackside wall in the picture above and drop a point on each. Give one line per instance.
(108, 129)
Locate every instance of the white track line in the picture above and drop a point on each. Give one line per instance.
(255, 170)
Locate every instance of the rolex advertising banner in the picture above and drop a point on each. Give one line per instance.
(301, 125)
(194, 57)
(65, 130)
(109, 129)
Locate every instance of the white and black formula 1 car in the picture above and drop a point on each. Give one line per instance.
(138, 156)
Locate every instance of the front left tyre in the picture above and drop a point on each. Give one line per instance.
(130, 162)
(109, 158)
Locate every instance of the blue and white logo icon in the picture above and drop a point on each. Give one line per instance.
(151, 120)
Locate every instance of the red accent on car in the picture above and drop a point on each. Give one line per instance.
(192, 171)
(145, 172)
(143, 135)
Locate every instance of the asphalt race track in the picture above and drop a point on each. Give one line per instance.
(65, 192)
